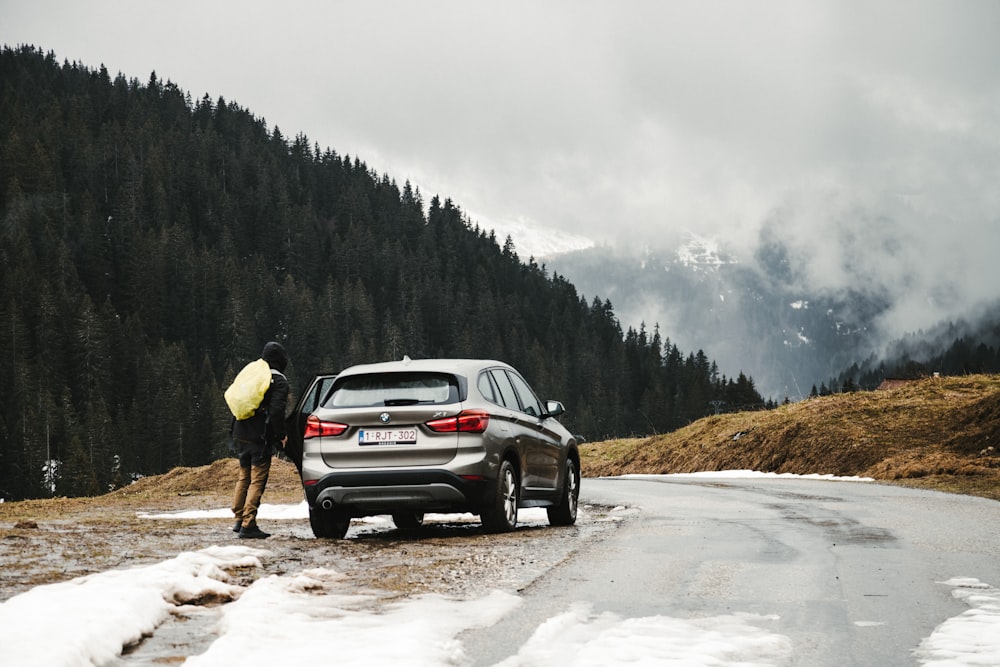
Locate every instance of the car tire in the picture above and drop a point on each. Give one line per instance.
(564, 514)
(501, 515)
(329, 523)
(408, 521)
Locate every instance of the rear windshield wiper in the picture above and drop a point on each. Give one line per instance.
(404, 401)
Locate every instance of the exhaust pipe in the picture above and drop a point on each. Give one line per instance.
(326, 504)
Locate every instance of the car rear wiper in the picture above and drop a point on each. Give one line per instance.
(403, 401)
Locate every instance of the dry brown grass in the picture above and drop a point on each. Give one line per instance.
(941, 433)
(217, 477)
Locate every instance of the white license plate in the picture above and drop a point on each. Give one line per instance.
(387, 436)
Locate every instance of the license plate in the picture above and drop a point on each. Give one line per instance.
(388, 436)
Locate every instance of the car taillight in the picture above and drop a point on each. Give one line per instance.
(467, 421)
(316, 428)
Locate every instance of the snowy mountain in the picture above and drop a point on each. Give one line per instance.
(699, 253)
(750, 316)
(768, 312)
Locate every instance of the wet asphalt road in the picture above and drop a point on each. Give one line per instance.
(852, 570)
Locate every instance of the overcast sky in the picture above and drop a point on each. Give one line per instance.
(866, 134)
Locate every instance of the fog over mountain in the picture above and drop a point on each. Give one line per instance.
(793, 311)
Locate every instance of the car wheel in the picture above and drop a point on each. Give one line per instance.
(564, 514)
(408, 520)
(329, 523)
(501, 515)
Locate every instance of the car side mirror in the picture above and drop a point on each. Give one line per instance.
(554, 408)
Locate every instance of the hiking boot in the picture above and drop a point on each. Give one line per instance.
(238, 527)
(253, 533)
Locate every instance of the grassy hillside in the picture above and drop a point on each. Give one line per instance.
(940, 433)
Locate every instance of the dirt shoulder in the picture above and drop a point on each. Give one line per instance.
(47, 541)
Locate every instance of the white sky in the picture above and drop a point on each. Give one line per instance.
(290, 619)
(863, 133)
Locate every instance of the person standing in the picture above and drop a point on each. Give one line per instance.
(255, 439)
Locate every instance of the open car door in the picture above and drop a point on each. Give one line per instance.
(295, 424)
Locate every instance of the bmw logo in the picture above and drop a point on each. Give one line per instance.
(384, 417)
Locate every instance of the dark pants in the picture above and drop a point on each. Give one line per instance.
(255, 467)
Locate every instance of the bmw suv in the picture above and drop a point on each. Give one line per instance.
(433, 435)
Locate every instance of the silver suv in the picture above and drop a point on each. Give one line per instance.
(443, 435)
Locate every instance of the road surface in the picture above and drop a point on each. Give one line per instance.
(852, 573)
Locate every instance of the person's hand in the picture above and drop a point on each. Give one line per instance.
(283, 441)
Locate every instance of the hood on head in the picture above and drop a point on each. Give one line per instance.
(275, 356)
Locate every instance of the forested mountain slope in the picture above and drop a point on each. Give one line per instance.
(150, 245)
(950, 348)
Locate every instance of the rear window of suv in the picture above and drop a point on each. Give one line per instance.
(360, 391)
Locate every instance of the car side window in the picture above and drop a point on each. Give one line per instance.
(528, 399)
(323, 389)
(486, 388)
(316, 393)
(508, 397)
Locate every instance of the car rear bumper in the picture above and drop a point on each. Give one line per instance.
(382, 492)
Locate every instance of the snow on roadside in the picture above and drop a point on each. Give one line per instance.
(297, 619)
(525, 516)
(87, 621)
(972, 637)
(579, 638)
(750, 474)
(276, 620)
(266, 511)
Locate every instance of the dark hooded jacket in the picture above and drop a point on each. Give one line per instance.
(267, 425)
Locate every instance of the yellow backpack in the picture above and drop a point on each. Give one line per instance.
(247, 391)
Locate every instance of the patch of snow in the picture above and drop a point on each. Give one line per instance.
(972, 637)
(294, 619)
(701, 253)
(93, 617)
(751, 474)
(525, 516)
(579, 637)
